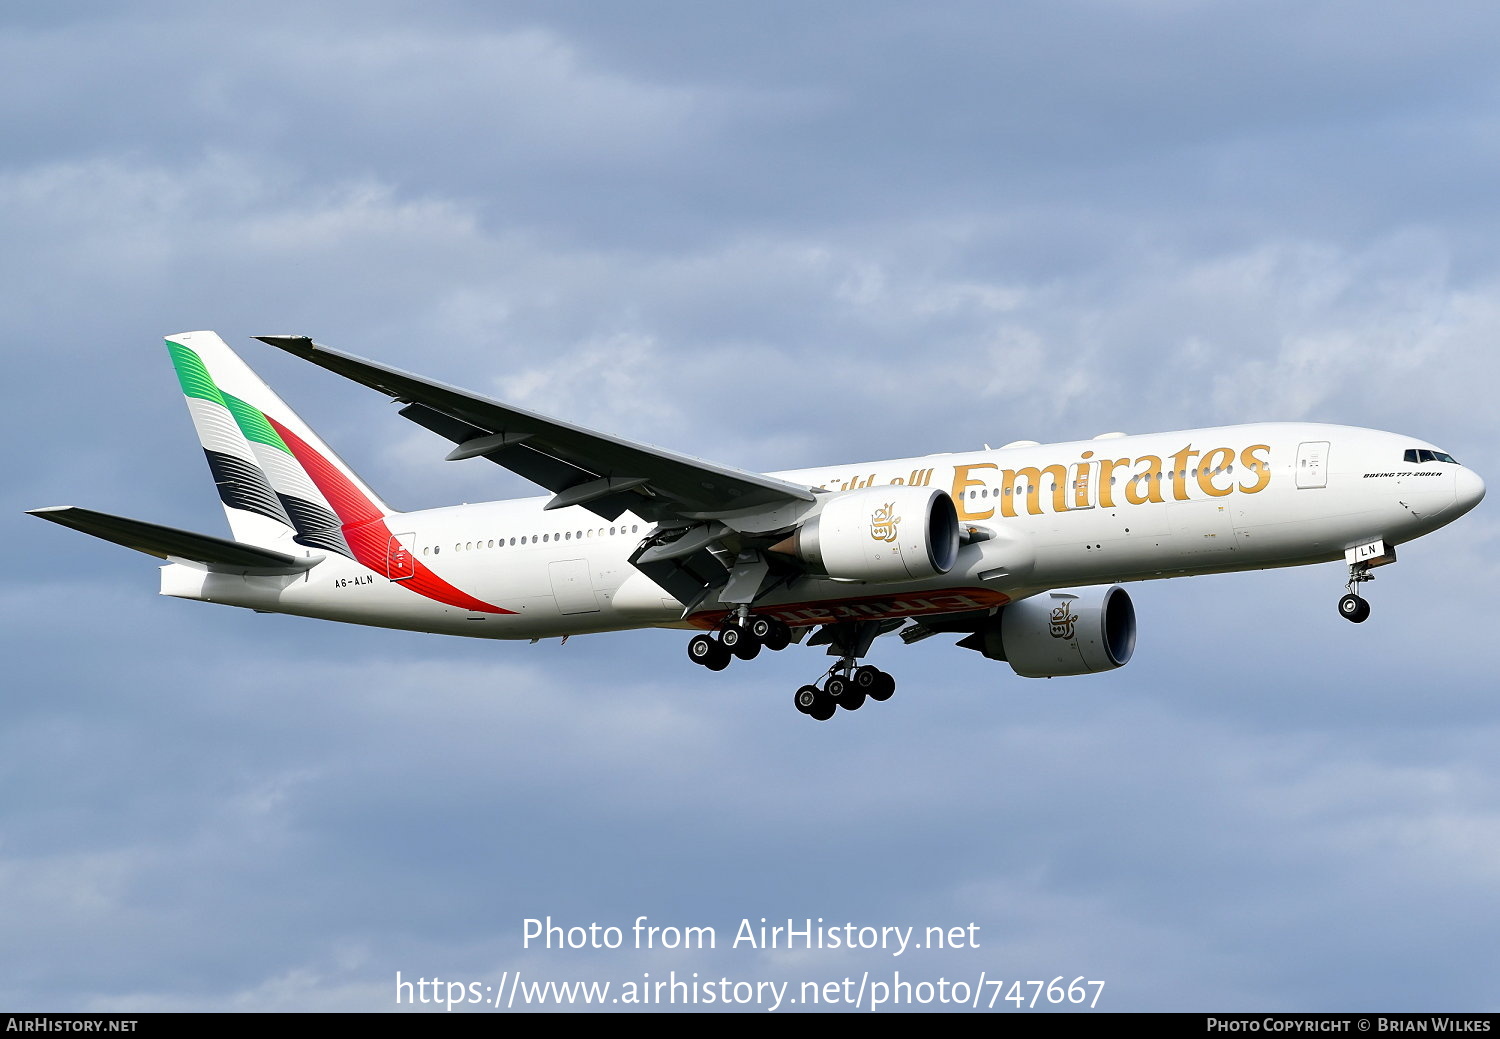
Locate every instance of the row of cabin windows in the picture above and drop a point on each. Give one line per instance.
(536, 539)
(1182, 474)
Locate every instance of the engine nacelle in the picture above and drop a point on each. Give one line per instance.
(890, 533)
(1061, 633)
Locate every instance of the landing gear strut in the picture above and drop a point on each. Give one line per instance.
(1352, 607)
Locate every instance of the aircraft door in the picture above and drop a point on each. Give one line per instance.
(1083, 485)
(400, 564)
(1312, 461)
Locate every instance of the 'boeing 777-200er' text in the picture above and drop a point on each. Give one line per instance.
(979, 543)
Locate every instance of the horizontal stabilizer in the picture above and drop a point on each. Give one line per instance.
(181, 546)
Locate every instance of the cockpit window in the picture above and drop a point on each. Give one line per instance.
(1422, 454)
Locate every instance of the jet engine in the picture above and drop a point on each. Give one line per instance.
(889, 533)
(1061, 633)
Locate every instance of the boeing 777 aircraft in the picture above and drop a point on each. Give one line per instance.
(1021, 550)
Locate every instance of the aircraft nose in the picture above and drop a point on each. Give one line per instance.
(1468, 490)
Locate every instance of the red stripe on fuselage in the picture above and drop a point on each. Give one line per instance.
(365, 529)
(868, 608)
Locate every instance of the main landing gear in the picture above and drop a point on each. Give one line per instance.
(741, 637)
(847, 684)
(848, 687)
(1352, 607)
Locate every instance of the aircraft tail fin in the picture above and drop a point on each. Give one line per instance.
(277, 479)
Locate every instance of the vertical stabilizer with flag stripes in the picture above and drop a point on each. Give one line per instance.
(278, 480)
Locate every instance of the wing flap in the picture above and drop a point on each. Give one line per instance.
(540, 468)
(216, 554)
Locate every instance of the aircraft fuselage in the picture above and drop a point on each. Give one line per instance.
(1036, 517)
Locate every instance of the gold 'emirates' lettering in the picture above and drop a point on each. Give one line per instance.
(1146, 482)
(918, 478)
(1077, 486)
(962, 481)
(1180, 472)
(1107, 468)
(1030, 480)
(1215, 461)
(1261, 467)
(1148, 478)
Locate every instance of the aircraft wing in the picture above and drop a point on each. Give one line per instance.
(606, 474)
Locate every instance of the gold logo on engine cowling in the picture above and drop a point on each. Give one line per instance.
(1062, 622)
(883, 523)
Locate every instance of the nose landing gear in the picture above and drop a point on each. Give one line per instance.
(1351, 606)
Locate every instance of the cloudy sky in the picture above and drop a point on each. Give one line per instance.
(772, 234)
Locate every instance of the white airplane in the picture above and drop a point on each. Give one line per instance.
(978, 543)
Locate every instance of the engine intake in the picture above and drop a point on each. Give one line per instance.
(1061, 633)
(876, 534)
